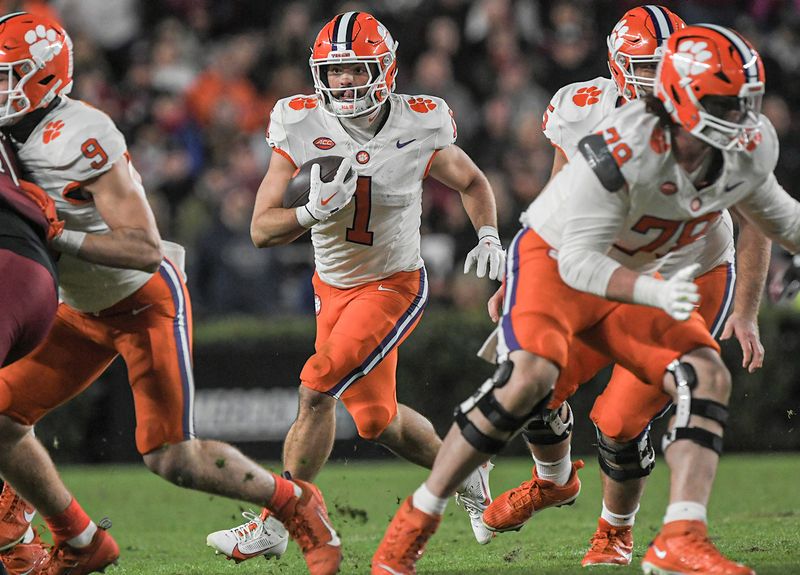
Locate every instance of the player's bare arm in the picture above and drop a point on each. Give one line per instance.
(273, 225)
(752, 264)
(133, 242)
(454, 168)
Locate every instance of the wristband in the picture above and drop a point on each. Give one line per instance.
(646, 290)
(69, 242)
(304, 217)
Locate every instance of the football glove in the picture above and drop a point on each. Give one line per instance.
(327, 198)
(677, 296)
(46, 204)
(489, 253)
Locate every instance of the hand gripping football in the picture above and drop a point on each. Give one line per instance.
(296, 193)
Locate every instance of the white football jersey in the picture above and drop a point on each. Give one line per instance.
(577, 108)
(659, 214)
(574, 111)
(74, 144)
(377, 233)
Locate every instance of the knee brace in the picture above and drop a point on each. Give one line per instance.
(686, 406)
(547, 427)
(629, 460)
(485, 401)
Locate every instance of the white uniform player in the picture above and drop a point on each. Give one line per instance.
(377, 234)
(370, 285)
(576, 110)
(76, 144)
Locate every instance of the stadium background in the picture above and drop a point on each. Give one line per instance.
(191, 82)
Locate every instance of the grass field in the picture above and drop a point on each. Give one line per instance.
(755, 518)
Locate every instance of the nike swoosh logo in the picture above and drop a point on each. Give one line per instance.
(335, 541)
(325, 201)
(732, 186)
(139, 310)
(404, 144)
(381, 288)
(389, 569)
(659, 553)
(29, 516)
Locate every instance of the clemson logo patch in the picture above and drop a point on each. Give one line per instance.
(300, 102)
(690, 58)
(617, 34)
(362, 157)
(587, 96)
(324, 143)
(422, 105)
(42, 42)
(52, 130)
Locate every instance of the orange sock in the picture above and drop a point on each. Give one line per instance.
(284, 491)
(69, 523)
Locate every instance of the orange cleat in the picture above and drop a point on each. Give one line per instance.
(16, 515)
(27, 557)
(683, 548)
(609, 545)
(306, 519)
(95, 557)
(404, 541)
(511, 510)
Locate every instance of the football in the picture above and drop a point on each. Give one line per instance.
(296, 193)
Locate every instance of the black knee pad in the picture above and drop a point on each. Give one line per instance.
(485, 401)
(686, 406)
(629, 460)
(547, 427)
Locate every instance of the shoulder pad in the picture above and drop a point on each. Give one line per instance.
(593, 147)
(296, 108)
(432, 113)
(765, 148)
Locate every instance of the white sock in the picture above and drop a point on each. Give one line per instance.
(427, 502)
(85, 537)
(556, 471)
(685, 510)
(619, 520)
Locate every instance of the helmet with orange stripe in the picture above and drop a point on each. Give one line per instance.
(354, 38)
(35, 64)
(711, 81)
(635, 46)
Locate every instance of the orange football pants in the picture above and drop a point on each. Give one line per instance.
(358, 332)
(581, 332)
(151, 329)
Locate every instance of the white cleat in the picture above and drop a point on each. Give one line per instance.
(475, 498)
(258, 537)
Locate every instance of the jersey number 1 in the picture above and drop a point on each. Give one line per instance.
(359, 233)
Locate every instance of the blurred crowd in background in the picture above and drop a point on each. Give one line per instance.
(191, 82)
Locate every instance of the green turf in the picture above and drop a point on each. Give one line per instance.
(755, 518)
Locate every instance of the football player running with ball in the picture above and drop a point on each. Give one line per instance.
(370, 283)
(120, 296)
(581, 270)
(625, 409)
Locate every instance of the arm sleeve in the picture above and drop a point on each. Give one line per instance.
(595, 218)
(774, 212)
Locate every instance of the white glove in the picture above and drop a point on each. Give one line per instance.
(327, 198)
(677, 296)
(488, 251)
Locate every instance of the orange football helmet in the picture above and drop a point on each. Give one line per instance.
(638, 40)
(354, 37)
(35, 61)
(711, 81)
